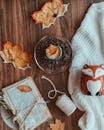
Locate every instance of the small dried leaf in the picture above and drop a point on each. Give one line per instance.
(58, 125)
(24, 88)
(49, 12)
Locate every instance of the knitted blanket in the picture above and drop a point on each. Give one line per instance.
(88, 48)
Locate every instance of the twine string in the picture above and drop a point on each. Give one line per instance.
(54, 90)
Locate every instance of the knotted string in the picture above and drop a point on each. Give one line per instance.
(54, 90)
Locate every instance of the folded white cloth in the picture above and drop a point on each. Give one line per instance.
(88, 48)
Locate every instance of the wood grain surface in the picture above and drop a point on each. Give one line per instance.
(17, 26)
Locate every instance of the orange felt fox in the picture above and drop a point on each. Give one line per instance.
(49, 12)
(92, 79)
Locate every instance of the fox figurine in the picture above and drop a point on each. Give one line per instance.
(92, 80)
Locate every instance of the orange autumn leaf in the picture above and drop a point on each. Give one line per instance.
(58, 125)
(24, 88)
(14, 53)
(49, 12)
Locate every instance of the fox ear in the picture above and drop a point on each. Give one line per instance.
(85, 66)
(102, 66)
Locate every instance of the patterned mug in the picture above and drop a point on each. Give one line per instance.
(92, 80)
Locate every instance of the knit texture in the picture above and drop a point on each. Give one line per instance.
(88, 48)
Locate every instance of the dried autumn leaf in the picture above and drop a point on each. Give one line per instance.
(58, 125)
(49, 12)
(15, 54)
(24, 88)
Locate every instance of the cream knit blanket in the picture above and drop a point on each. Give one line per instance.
(88, 48)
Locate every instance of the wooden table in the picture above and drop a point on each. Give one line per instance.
(17, 26)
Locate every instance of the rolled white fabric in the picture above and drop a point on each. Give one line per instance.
(65, 104)
(88, 48)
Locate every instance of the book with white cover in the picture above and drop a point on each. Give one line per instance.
(29, 108)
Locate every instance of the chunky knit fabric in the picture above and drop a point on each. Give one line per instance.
(88, 48)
